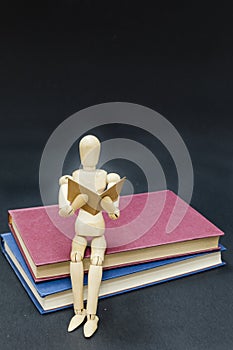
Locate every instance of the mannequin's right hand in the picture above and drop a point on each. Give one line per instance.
(66, 211)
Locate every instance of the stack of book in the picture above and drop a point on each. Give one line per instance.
(38, 248)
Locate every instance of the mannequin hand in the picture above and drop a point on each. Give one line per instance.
(66, 211)
(115, 215)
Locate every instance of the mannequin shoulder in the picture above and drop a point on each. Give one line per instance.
(64, 179)
(75, 174)
(113, 178)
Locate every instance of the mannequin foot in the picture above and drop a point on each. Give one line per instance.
(91, 325)
(77, 320)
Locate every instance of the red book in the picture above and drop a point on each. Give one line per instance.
(152, 226)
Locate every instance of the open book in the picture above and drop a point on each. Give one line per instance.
(93, 205)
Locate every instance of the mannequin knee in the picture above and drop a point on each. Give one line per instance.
(76, 257)
(96, 260)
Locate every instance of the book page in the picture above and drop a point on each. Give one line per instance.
(93, 205)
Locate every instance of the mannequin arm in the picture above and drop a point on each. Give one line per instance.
(108, 205)
(79, 201)
(63, 191)
(67, 208)
(112, 179)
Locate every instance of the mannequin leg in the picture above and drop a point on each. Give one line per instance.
(98, 247)
(76, 272)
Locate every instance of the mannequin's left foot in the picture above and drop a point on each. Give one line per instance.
(91, 325)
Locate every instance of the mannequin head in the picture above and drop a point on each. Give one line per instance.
(89, 149)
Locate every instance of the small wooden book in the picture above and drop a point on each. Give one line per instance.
(93, 205)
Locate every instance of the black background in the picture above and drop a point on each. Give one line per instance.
(176, 58)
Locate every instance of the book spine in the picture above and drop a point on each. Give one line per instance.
(21, 250)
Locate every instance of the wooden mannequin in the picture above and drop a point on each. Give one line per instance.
(87, 225)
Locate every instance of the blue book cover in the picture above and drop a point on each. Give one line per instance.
(39, 291)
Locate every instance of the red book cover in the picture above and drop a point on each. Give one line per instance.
(146, 220)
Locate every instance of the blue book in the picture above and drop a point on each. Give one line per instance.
(56, 294)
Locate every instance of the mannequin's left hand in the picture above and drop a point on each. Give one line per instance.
(115, 215)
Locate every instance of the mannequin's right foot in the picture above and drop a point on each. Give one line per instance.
(77, 320)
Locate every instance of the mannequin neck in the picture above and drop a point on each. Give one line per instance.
(89, 168)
